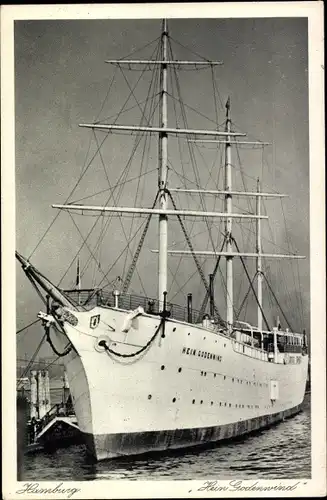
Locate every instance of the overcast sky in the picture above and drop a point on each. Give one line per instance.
(61, 80)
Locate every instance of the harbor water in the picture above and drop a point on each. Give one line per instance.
(283, 451)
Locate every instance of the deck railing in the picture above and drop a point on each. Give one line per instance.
(88, 298)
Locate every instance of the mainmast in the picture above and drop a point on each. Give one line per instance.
(259, 258)
(163, 171)
(228, 223)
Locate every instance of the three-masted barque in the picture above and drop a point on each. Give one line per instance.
(147, 375)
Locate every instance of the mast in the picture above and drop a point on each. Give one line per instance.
(259, 258)
(78, 281)
(228, 223)
(163, 172)
(212, 295)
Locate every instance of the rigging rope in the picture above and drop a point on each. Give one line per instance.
(196, 111)
(86, 244)
(280, 307)
(132, 267)
(199, 268)
(147, 144)
(96, 119)
(31, 361)
(246, 296)
(151, 112)
(205, 300)
(119, 256)
(193, 160)
(192, 157)
(125, 171)
(98, 218)
(141, 48)
(190, 50)
(298, 296)
(25, 327)
(121, 223)
(251, 284)
(115, 186)
(67, 199)
(181, 157)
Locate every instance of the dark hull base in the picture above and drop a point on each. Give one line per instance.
(107, 446)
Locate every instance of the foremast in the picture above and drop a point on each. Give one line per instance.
(163, 172)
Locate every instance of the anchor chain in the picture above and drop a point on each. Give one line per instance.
(103, 343)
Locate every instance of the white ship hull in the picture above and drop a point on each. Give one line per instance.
(193, 386)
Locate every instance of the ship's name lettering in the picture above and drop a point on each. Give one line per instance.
(292, 360)
(238, 485)
(200, 354)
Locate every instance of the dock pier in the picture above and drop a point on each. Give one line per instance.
(40, 425)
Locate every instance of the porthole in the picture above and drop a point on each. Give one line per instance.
(174, 329)
(225, 404)
(232, 380)
(201, 373)
(162, 367)
(220, 403)
(224, 345)
(224, 377)
(174, 399)
(215, 374)
(211, 403)
(201, 402)
(179, 370)
(193, 401)
(189, 333)
(205, 374)
(230, 404)
(149, 396)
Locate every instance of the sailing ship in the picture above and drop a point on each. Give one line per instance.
(146, 374)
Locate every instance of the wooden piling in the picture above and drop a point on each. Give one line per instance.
(34, 395)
